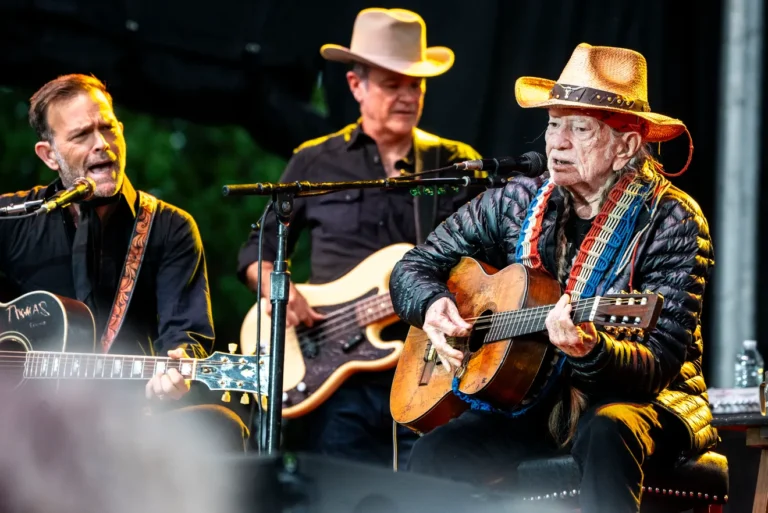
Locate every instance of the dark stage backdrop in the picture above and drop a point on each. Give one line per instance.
(255, 63)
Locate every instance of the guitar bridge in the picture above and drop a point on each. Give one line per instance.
(431, 359)
(430, 354)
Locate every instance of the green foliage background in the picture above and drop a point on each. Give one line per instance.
(185, 164)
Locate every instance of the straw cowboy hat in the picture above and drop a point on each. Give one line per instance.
(601, 78)
(393, 39)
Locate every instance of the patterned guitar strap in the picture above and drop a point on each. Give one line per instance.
(596, 264)
(133, 260)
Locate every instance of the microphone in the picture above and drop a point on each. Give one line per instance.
(528, 164)
(81, 190)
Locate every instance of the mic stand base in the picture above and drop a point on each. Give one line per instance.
(279, 290)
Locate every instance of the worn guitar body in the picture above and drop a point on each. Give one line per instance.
(319, 359)
(500, 373)
(42, 321)
(507, 355)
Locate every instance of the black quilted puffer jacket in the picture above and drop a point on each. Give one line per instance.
(673, 257)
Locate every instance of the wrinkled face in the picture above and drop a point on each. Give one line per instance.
(582, 150)
(389, 102)
(87, 142)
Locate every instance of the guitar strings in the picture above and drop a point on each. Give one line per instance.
(484, 322)
(333, 318)
(6, 356)
(30, 362)
(341, 323)
(527, 314)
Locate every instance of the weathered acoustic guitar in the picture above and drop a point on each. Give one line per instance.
(507, 355)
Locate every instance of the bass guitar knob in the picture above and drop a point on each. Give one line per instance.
(301, 387)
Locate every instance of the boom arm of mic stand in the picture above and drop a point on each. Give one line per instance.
(299, 189)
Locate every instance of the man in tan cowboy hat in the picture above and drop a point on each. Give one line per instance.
(389, 61)
(604, 219)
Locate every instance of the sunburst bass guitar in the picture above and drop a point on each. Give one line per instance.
(45, 336)
(319, 359)
(508, 357)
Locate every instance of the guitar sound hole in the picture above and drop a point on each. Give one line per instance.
(477, 335)
(11, 343)
(12, 367)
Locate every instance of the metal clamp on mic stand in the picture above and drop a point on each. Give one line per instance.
(283, 195)
(27, 207)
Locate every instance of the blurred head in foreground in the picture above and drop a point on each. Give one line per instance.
(63, 452)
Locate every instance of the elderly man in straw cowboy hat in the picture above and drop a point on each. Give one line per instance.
(389, 61)
(603, 219)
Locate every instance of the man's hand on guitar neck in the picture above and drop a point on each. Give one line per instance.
(298, 310)
(170, 384)
(443, 318)
(575, 341)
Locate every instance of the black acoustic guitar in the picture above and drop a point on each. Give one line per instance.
(45, 336)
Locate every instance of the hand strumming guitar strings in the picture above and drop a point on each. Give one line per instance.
(443, 318)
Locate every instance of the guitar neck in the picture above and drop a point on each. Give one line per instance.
(43, 364)
(516, 323)
(373, 309)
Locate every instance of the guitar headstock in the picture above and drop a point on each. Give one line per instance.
(234, 372)
(633, 311)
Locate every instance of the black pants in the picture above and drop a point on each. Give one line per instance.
(613, 441)
(354, 423)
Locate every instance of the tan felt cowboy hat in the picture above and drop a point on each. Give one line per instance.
(601, 78)
(393, 39)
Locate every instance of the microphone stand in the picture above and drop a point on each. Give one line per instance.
(283, 195)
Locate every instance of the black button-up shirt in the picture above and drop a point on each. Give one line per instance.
(171, 302)
(348, 226)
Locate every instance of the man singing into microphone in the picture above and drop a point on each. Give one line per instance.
(389, 62)
(80, 251)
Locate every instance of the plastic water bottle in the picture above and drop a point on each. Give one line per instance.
(749, 366)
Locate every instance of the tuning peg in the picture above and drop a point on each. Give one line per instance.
(232, 347)
(225, 397)
(246, 399)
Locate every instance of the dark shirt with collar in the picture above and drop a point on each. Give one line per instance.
(171, 302)
(348, 226)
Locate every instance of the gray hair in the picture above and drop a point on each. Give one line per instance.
(564, 416)
(639, 162)
(361, 70)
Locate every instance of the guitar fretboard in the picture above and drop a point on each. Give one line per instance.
(515, 323)
(41, 364)
(374, 309)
